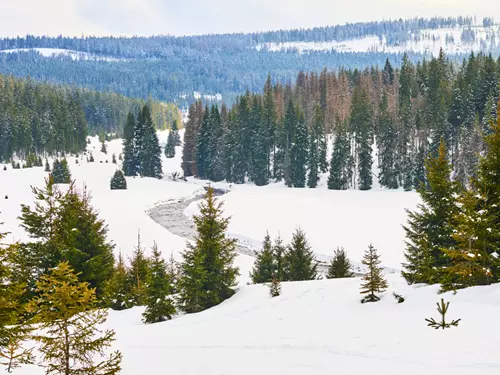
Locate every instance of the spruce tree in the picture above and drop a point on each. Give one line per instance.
(298, 153)
(118, 181)
(65, 227)
(340, 266)
(429, 229)
(374, 281)
(148, 147)
(129, 154)
(138, 274)
(175, 133)
(113, 159)
(275, 287)
(104, 149)
(264, 266)
(47, 166)
(341, 164)
(317, 148)
(203, 145)
(386, 143)
(60, 172)
(117, 293)
(300, 261)
(170, 146)
(159, 303)
(207, 272)
(71, 341)
(361, 118)
(279, 254)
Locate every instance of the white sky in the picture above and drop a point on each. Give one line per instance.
(184, 17)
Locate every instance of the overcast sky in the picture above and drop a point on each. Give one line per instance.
(187, 17)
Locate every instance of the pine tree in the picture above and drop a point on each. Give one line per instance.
(387, 146)
(340, 266)
(207, 271)
(118, 181)
(71, 341)
(148, 147)
(159, 303)
(104, 149)
(442, 309)
(129, 154)
(175, 133)
(298, 153)
(279, 254)
(170, 146)
(117, 293)
(60, 172)
(429, 230)
(65, 227)
(317, 149)
(14, 331)
(138, 274)
(113, 159)
(374, 281)
(361, 117)
(264, 266)
(300, 261)
(203, 144)
(341, 162)
(275, 287)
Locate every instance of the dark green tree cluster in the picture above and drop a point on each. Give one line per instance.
(295, 262)
(453, 237)
(141, 149)
(60, 172)
(340, 266)
(384, 123)
(118, 181)
(173, 140)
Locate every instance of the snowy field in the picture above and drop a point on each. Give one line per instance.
(424, 41)
(75, 55)
(314, 327)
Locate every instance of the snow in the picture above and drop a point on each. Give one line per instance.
(424, 41)
(75, 55)
(314, 327)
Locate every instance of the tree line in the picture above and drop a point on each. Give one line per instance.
(385, 120)
(38, 118)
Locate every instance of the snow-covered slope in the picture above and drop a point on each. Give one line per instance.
(423, 41)
(51, 52)
(316, 328)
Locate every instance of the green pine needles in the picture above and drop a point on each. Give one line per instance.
(442, 309)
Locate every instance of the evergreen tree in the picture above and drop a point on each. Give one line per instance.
(341, 162)
(279, 254)
(148, 147)
(129, 154)
(317, 148)
(264, 266)
(300, 261)
(203, 145)
(361, 117)
(170, 146)
(138, 274)
(298, 153)
(104, 149)
(387, 146)
(175, 133)
(159, 303)
(65, 227)
(71, 341)
(429, 230)
(442, 309)
(340, 266)
(275, 287)
(113, 159)
(118, 181)
(60, 172)
(208, 274)
(374, 281)
(117, 293)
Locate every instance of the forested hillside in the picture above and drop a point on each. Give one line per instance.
(174, 68)
(387, 120)
(37, 117)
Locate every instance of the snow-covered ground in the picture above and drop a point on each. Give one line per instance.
(75, 55)
(424, 41)
(314, 327)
